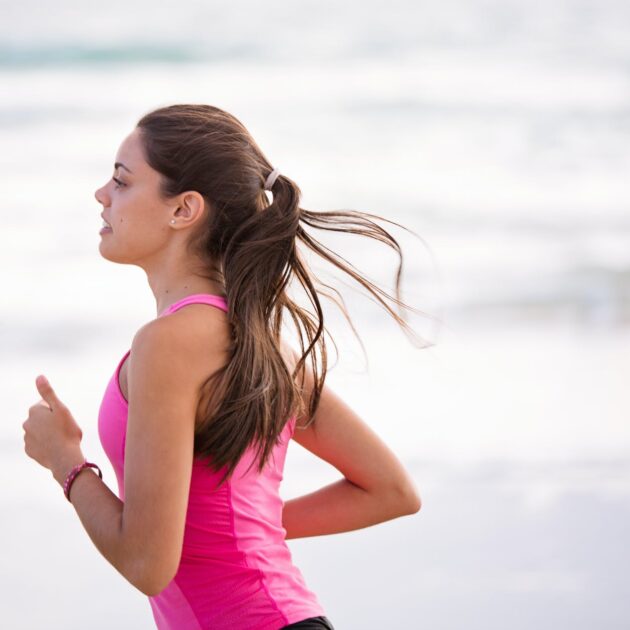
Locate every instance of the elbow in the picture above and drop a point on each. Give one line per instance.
(409, 499)
(414, 504)
(151, 589)
(152, 580)
(152, 586)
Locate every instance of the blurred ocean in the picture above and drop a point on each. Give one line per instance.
(497, 131)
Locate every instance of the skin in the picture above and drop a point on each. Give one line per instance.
(51, 434)
(142, 232)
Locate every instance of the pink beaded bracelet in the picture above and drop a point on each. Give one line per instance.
(74, 472)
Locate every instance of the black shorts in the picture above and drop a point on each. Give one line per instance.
(312, 623)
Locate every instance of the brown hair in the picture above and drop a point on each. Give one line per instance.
(250, 246)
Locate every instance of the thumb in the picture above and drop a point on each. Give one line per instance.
(46, 391)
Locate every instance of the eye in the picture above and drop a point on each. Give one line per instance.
(118, 182)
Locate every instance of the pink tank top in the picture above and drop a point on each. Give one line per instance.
(236, 570)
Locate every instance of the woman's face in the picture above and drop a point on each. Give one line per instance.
(139, 218)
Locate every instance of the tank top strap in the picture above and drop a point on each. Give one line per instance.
(197, 298)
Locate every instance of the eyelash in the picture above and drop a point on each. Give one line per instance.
(118, 182)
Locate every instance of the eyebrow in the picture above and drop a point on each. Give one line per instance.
(117, 164)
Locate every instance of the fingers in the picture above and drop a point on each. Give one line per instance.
(47, 392)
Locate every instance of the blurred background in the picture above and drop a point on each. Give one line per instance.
(499, 132)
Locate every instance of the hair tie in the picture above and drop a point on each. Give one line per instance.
(271, 179)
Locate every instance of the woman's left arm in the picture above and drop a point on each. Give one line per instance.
(142, 537)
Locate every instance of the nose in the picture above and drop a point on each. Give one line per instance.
(100, 196)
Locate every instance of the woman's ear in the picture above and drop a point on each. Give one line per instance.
(191, 208)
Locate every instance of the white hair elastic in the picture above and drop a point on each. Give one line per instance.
(271, 179)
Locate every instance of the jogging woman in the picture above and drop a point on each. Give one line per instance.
(198, 414)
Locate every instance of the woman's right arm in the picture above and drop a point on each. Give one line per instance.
(375, 486)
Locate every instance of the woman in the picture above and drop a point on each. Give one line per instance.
(198, 414)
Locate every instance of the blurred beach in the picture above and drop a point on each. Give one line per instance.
(499, 133)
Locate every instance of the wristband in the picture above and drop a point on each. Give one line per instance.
(67, 484)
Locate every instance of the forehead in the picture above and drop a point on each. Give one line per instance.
(130, 152)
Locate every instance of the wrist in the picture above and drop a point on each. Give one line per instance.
(62, 467)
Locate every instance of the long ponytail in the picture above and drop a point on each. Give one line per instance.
(251, 247)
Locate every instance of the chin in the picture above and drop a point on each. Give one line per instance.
(105, 251)
(119, 255)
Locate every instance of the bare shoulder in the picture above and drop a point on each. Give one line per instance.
(198, 330)
(196, 319)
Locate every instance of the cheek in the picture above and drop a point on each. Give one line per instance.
(126, 215)
(135, 219)
(137, 228)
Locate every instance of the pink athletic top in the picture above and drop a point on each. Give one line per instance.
(236, 570)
